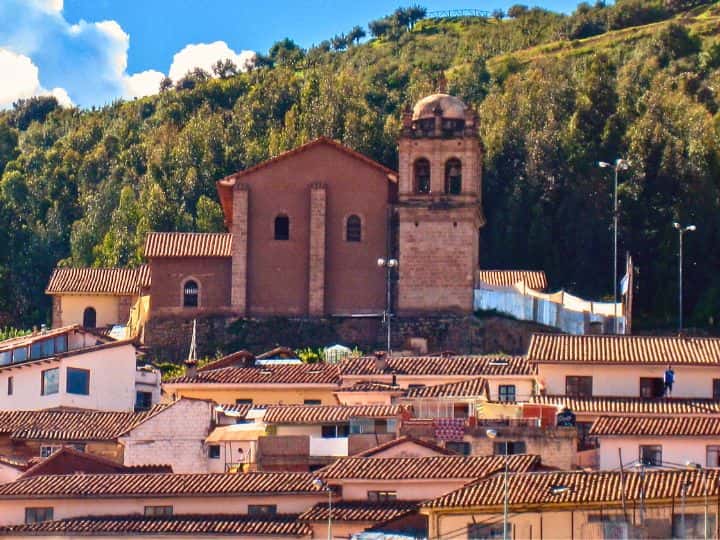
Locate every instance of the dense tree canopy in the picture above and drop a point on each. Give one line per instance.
(84, 187)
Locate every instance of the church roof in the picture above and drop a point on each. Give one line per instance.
(114, 281)
(451, 107)
(181, 244)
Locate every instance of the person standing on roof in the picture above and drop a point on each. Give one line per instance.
(669, 380)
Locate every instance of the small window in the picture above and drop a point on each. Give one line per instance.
(78, 381)
(651, 387)
(5, 358)
(282, 227)
(509, 447)
(479, 531)
(143, 401)
(651, 455)
(713, 453)
(716, 389)
(585, 440)
(61, 344)
(48, 450)
(156, 511)
(214, 451)
(38, 515)
(382, 496)
(576, 386)
(459, 447)
(507, 392)
(243, 401)
(262, 509)
(453, 177)
(50, 382)
(191, 292)
(335, 431)
(89, 317)
(10, 386)
(312, 402)
(422, 176)
(353, 229)
(19, 355)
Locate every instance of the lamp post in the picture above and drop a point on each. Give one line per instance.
(388, 264)
(321, 484)
(492, 434)
(681, 232)
(620, 164)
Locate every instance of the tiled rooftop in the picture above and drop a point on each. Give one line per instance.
(276, 374)
(402, 440)
(371, 386)
(535, 279)
(468, 388)
(612, 349)
(319, 414)
(117, 281)
(180, 244)
(435, 365)
(159, 485)
(630, 405)
(192, 525)
(657, 426)
(359, 511)
(424, 468)
(579, 487)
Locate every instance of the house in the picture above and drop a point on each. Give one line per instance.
(509, 378)
(625, 366)
(405, 446)
(60, 497)
(672, 441)
(369, 393)
(73, 367)
(578, 504)
(95, 297)
(352, 517)
(277, 384)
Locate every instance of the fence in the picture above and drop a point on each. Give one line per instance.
(561, 310)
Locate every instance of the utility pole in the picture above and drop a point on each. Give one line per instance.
(681, 232)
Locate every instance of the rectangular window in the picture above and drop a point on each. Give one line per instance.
(19, 355)
(312, 402)
(460, 447)
(479, 531)
(214, 451)
(578, 386)
(712, 453)
(585, 441)
(651, 387)
(143, 401)
(716, 389)
(78, 381)
(335, 431)
(50, 382)
(5, 358)
(243, 401)
(513, 447)
(156, 511)
(507, 392)
(61, 344)
(382, 496)
(38, 515)
(10, 386)
(48, 450)
(651, 455)
(262, 509)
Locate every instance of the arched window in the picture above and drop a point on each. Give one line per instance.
(282, 227)
(191, 294)
(89, 318)
(422, 176)
(453, 176)
(353, 229)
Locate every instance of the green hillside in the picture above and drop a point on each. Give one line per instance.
(555, 94)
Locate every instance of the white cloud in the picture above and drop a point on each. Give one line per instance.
(20, 78)
(62, 96)
(142, 84)
(51, 6)
(204, 55)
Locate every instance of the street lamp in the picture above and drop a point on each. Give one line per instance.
(620, 164)
(681, 232)
(321, 484)
(388, 264)
(492, 434)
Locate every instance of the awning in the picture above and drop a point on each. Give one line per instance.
(236, 432)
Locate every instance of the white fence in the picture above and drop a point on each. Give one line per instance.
(561, 310)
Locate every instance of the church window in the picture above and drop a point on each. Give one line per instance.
(453, 176)
(422, 176)
(282, 227)
(353, 229)
(89, 317)
(191, 294)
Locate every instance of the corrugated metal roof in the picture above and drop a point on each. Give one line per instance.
(277, 374)
(177, 244)
(659, 426)
(631, 405)
(437, 365)
(113, 281)
(318, 414)
(535, 279)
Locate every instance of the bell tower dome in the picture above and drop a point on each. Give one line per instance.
(439, 206)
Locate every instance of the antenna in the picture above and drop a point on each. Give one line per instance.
(192, 354)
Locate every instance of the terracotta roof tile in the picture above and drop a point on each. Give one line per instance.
(424, 468)
(371, 386)
(236, 359)
(72, 425)
(276, 374)
(660, 426)
(370, 452)
(536, 488)
(159, 485)
(320, 414)
(611, 349)
(177, 244)
(67, 460)
(630, 405)
(436, 365)
(535, 279)
(467, 388)
(114, 281)
(359, 511)
(192, 525)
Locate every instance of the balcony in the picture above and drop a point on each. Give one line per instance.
(335, 447)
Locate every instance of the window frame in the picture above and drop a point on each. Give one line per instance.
(487, 531)
(137, 401)
(503, 393)
(214, 451)
(427, 183)
(312, 402)
(43, 386)
(354, 234)
(464, 448)
(716, 389)
(381, 496)
(714, 448)
(449, 180)
(86, 314)
(281, 233)
(657, 451)
(511, 447)
(340, 431)
(162, 510)
(262, 509)
(33, 510)
(76, 370)
(185, 296)
(578, 381)
(10, 385)
(654, 387)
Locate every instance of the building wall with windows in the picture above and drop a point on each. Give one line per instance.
(286, 394)
(102, 379)
(109, 309)
(674, 451)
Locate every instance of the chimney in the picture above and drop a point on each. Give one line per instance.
(190, 368)
(381, 361)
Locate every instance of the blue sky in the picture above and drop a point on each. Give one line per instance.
(90, 52)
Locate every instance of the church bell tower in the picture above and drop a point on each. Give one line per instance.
(439, 207)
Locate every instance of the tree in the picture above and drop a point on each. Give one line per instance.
(516, 11)
(380, 27)
(498, 14)
(286, 53)
(8, 144)
(32, 109)
(355, 35)
(166, 84)
(339, 42)
(224, 68)
(210, 217)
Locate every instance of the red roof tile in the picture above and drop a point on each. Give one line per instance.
(613, 349)
(114, 281)
(436, 365)
(359, 511)
(159, 485)
(424, 468)
(370, 452)
(236, 359)
(192, 525)
(275, 374)
(629, 405)
(468, 388)
(534, 279)
(69, 461)
(177, 244)
(371, 386)
(320, 414)
(658, 426)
